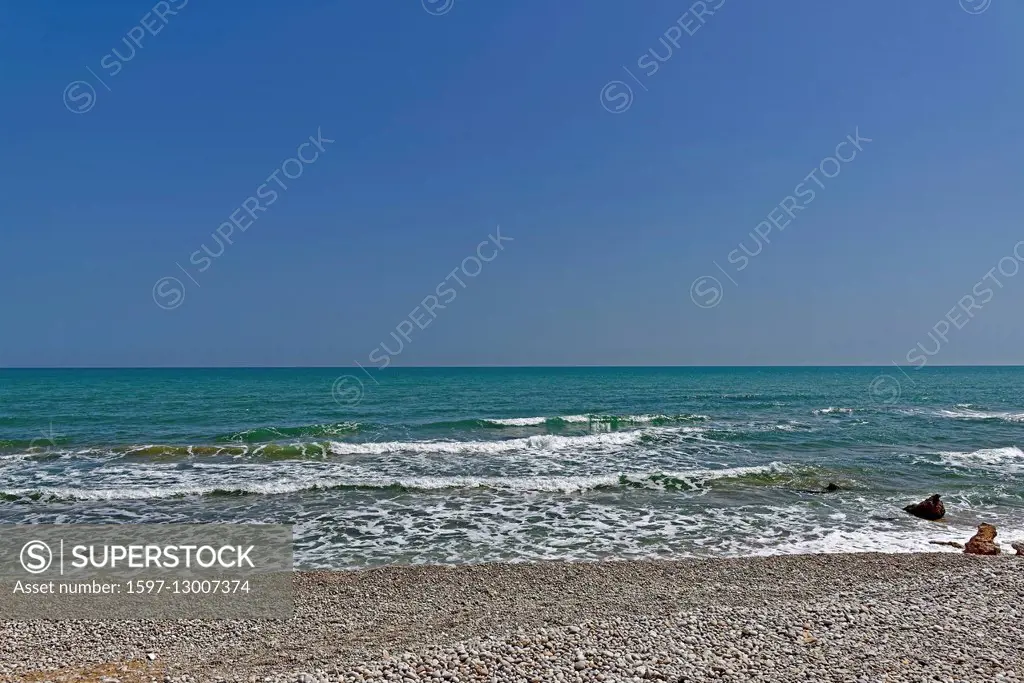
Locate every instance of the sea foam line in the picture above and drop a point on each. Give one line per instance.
(971, 414)
(681, 480)
(538, 442)
(591, 418)
(832, 410)
(1009, 459)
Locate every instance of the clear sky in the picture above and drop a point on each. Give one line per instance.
(452, 117)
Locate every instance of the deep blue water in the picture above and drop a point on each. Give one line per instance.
(469, 465)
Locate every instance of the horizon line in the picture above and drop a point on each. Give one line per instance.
(491, 367)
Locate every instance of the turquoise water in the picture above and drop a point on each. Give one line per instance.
(471, 465)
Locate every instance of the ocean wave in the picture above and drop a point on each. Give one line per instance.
(538, 442)
(522, 421)
(38, 442)
(257, 435)
(786, 426)
(831, 410)
(588, 419)
(1009, 459)
(318, 440)
(962, 412)
(687, 480)
(156, 452)
(599, 442)
(310, 449)
(264, 434)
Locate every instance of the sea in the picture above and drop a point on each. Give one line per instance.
(469, 465)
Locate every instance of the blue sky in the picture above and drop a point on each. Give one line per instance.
(447, 125)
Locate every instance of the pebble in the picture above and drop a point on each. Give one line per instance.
(799, 619)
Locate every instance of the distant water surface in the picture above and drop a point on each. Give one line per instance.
(472, 465)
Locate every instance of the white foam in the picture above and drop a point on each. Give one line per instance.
(231, 482)
(517, 421)
(532, 421)
(1009, 459)
(793, 529)
(775, 467)
(962, 412)
(585, 529)
(832, 410)
(549, 442)
(787, 426)
(790, 426)
(854, 541)
(584, 419)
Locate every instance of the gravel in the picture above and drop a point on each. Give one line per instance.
(845, 618)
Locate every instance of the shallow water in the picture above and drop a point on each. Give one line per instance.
(470, 465)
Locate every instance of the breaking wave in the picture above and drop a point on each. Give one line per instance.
(831, 410)
(561, 421)
(962, 412)
(1009, 459)
(538, 442)
(775, 473)
(263, 434)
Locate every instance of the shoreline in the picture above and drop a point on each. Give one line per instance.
(820, 617)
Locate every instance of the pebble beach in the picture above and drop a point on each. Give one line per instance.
(846, 618)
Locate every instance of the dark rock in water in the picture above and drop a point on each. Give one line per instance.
(982, 542)
(930, 508)
(831, 488)
(1018, 546)
(952, 544)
